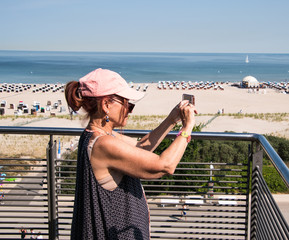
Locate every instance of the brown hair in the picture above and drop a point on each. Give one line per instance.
(91, 105)
(75, 101)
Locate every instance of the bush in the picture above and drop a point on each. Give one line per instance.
(281, 146)
(232, 152)
(273, 180)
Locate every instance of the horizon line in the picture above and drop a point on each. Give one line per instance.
(79, 51)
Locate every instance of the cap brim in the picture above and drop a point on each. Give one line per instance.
(131, 94)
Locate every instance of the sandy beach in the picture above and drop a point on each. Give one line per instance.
(160, 101)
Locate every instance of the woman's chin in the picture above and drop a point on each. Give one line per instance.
(124, 121)
(122, 124)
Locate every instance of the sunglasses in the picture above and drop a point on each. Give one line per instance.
(130, 105)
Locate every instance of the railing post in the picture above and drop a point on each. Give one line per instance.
(51, 156)
(250, 153)
(257, 163)
(258, 157)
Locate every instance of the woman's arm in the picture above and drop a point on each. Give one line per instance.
(112, 153)
(151, 141)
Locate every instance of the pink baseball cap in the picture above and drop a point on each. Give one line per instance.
(103, 82)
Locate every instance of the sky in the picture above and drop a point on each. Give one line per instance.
(215, 26)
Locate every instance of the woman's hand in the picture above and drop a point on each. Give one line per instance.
(176, 114)
(187, 114)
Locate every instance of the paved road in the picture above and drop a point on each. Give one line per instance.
(282, 201)
(24, 207)
(26, 189)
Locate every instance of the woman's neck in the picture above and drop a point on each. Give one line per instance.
(97, 126)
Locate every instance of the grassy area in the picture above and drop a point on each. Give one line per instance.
(144, 122)
(30, 146)
(275, 117)
(151, 118)
(39, 117)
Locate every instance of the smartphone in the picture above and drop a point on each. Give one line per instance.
(189, 97)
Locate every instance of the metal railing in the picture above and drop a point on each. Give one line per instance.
(202, 200)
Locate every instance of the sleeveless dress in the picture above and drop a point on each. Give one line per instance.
(121, 214)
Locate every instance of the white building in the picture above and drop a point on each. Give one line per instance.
(250, 82)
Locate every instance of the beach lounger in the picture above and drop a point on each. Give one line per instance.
(3, 103)
(194, 200)
(227, 200)
(169, 202)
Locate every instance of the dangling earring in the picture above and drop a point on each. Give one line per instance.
(107, 117)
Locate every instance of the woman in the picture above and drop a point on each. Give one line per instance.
(109, 199)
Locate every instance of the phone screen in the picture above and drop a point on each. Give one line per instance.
(189, 97)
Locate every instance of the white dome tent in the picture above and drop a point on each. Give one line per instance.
(250, 82)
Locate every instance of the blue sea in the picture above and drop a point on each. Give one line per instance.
(61, 67)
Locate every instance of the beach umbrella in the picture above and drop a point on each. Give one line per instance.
(3, 175)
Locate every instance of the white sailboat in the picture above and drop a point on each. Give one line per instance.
(247, 59)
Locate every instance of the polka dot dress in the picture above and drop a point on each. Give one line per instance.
(120, 214)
